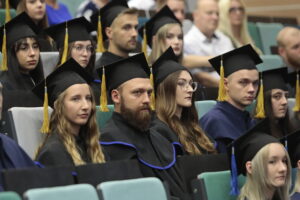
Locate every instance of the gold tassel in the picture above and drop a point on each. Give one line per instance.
(297, 95)
(260, 110)
(144, 46)
(152, 98)
(222, 91)
(4, 52)
(7, 12)
(45, 126)
(66, 43)
(100, 47)
(103, 97)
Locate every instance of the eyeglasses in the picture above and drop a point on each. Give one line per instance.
(235, 9)
(184, 85)
(80, 48)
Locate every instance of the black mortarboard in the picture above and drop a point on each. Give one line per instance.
(292, 144)
(164, 16)
(14, 3)
(63, 77)
(244, 57)
(275, 79)
(166, 64)
(17, 28)
(78, 30)
(124, 70)
(245, 148)
(108, 13)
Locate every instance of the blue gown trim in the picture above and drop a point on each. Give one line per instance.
(97, 81)
(144, 162)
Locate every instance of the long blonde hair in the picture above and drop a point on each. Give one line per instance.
(257, 183)
(190, 135)
(225, 25)
(60, 125)
(297, 182)
(159, 43)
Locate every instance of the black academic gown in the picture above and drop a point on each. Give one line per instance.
(54, 153)
(156, 155)
(106, 59)
(12, 156)
(15, 95)
(225, 123)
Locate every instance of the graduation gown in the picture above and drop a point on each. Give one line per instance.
(225, 123)
(156, 155)
(54, 153)
(106, 59)
(15, 95)
(163, 129)
(12, 156)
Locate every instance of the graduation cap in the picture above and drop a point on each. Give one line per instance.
(271, 79)
(77, 29)
(165, 65)
(245, 148)
(292, 144)
(121, 71)
(68, 74)
(244, 57)
(19, 27)
(164, 16)
(105, 17)
(293, 81)
(275, 79)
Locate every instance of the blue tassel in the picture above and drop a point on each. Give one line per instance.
(234, 177)
(285, 144)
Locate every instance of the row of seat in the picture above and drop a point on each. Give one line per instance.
(264, 35)
(133, 189)
(22, 180)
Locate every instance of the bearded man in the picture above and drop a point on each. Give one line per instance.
(127, 135)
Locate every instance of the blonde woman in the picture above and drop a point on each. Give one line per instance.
(73, 138)
(233, 23)
(265, 163)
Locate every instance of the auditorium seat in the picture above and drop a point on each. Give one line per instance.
(49, 61)
(9, 196)
(217, 185)
(254, 33)
(72, 5)
(26, 124)
(204, 106)
(270, 62)
(70, 192)
(2, 15)
(21, 180)
(135, 189)
(95, 174)
(268, 33)
(103, 117)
